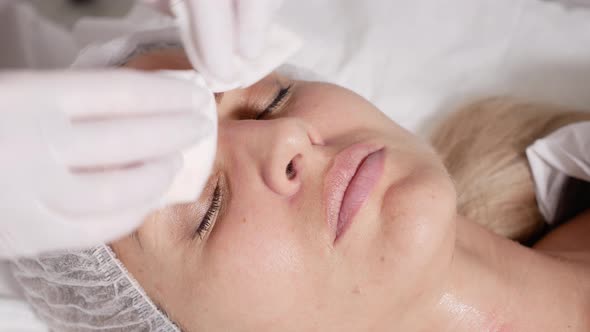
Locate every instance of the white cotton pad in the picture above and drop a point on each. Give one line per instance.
(197, 159)
(280, 46)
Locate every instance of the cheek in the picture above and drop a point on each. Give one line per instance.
(260, 242)
(335, 111)
(255, 261)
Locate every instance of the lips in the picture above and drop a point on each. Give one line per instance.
(350, 180)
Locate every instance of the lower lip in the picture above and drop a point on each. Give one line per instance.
(364, 180)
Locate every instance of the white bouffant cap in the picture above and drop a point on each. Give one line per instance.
(88, 290)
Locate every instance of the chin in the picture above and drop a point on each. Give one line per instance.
(418, 216)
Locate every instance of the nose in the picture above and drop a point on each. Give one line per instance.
(280, 149)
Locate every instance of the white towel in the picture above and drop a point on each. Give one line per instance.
(554, 160)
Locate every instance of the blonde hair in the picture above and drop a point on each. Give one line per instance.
(483, 146)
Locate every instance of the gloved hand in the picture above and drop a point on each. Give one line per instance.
(219, 30)
(84, 156)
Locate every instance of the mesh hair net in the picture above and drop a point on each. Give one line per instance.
(88, 290)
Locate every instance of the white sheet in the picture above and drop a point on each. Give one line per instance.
(417, 58)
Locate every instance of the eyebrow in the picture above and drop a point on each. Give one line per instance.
(218, 97)
(135, 235)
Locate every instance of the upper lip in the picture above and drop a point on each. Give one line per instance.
(339, 176)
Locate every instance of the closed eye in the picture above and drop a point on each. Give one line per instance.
(211, 213)
(279, 100)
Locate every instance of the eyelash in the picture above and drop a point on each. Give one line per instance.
(275, 104)
(210, 214)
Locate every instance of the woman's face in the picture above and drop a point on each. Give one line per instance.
(267, 258)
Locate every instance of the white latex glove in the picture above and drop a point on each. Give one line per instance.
(84, 156)
(221, 30)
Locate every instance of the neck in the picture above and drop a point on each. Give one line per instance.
(497, 285)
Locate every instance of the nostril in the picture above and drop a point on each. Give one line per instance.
(290, 171)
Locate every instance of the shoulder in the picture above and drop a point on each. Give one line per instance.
(572, 236)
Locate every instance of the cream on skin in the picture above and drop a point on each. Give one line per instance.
(406, 262)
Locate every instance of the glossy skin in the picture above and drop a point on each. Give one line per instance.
(268, 261)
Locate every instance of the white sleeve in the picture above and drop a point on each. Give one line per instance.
(556, 158)
(17, 316)
(15, 313)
